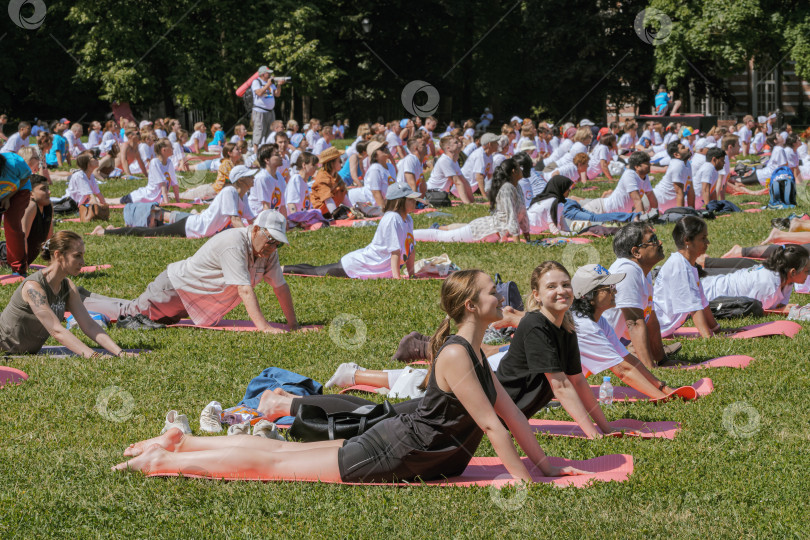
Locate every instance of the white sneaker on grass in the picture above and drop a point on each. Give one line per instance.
(268, 430)
(210, 418)
(176, 420)
(239, 429)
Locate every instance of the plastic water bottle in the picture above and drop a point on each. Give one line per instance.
(606, 392)
(364, 224)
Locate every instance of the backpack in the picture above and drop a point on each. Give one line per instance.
(782, 189)
(510, 293)
(731, 307)
(437, 197)
(673, 215)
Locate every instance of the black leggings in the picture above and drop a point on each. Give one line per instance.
(178, 228)
(333, 270)
(336, 403)
(751, 179)
(716, 267)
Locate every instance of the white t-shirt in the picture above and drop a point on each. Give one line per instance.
(634, 291)
(13, 144)
(377, 178)
(470, 148)
(696, 161)
(161, 134)
(198, 136)
(80, 187)
(478, 163)
(744, 134)
(207, 282)
(469, 133)
(628, 141)
(759, 142)
(158, 175)
(620, 200)
(560, 151)
(146, 151)
(93, 138)
(266, 188)
(410, 164)
(393, 140)
(525, 187)
(440, 179)
(791, 158)
(677, 173)
(539, 181)
(266, 102)
(540, 215)
(173, 137)
(312, 137)
(177, 154)
(75, 145)
(297, 193)
(777, 159)
(599, 348)
(677, 293)
(218, 215)
(320, 145)
(393, 234)
(707, 174)
(601, 152)
(756, 282)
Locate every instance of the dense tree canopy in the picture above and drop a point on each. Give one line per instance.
(558, 59)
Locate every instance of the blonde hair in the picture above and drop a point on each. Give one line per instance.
(459, 287)
(531, 302)
(582, 134)
(198, 125)
(28, 153)
(161, 144)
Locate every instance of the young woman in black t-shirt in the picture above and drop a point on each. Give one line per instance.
(463, 401)
(543, 360)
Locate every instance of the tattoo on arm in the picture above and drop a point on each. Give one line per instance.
(37, 298)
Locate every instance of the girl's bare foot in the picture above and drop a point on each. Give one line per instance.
(98, 231)
(772, 238)
(734, 253)
(146, 462)
(273, 405)
(168, 441)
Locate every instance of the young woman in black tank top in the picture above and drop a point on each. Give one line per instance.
(463, 401)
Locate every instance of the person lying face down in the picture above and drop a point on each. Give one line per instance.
(218, 277)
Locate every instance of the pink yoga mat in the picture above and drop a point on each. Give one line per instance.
(9, 279)
(633, 428)
(701, 388)
(489, 471)
(772, 328)
(365, 279)
(351, 222)
(238, 326)
(753, 210)
(10, 376)
(361, 388)
(735, 361)
(750, 203)
(173, 204)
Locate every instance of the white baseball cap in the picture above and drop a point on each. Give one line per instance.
(274, 223)
(144, 123)
(241, 171)
(585, 122)
(591, 276)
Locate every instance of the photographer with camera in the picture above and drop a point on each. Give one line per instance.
(265, 93)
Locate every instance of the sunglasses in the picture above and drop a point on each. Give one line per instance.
(653, 241)
(611, 288)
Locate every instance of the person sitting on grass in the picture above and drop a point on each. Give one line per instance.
(478, 168)
(670, 191)
(228, 209)
(296, 196)
(446, 172)
(37, 221)
(73, 136)
(82, 186)
(208, 285)
(196, 143)
(678, 293)
(392, 246)
(269, 186)
(178, 158)
(37, 308)
(352, 171)
(463, 401)
(130, 155)
(508, 214)
(328, 191)
(629, 192)
(161, 176)
(106, 165)
(376, 179)
(58, 155)
(17, 140)
(705, 178)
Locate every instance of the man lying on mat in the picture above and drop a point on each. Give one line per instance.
(213, 281)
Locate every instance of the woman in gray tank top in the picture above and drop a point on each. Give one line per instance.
(463, 400)
(37, 308)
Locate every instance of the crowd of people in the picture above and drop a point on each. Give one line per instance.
(600, 319)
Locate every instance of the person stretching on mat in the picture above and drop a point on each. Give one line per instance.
(770, 282)
(677, 293)
(392, 246)
(161, 176)
(37, 308)
(212, 282)
(228, 209)
(508, 216)
(463, 401)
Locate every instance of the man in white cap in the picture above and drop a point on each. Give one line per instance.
(478, 167)
(208, 285)
(265, 93)
(485, 120)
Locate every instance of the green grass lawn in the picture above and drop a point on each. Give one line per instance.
(58, 445)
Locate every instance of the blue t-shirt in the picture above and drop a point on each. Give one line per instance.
(219, 138)
(661, 101)
(16, 175)
(60, 144)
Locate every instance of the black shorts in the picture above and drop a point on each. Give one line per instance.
(369, 458)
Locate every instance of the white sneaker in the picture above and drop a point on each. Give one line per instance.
(239, 429)
(176, 420)
(344, 375)
(209, 418)
(268, 430)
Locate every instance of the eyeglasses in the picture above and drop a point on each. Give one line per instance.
(270, 240)
(611, 288)
(653, 241)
